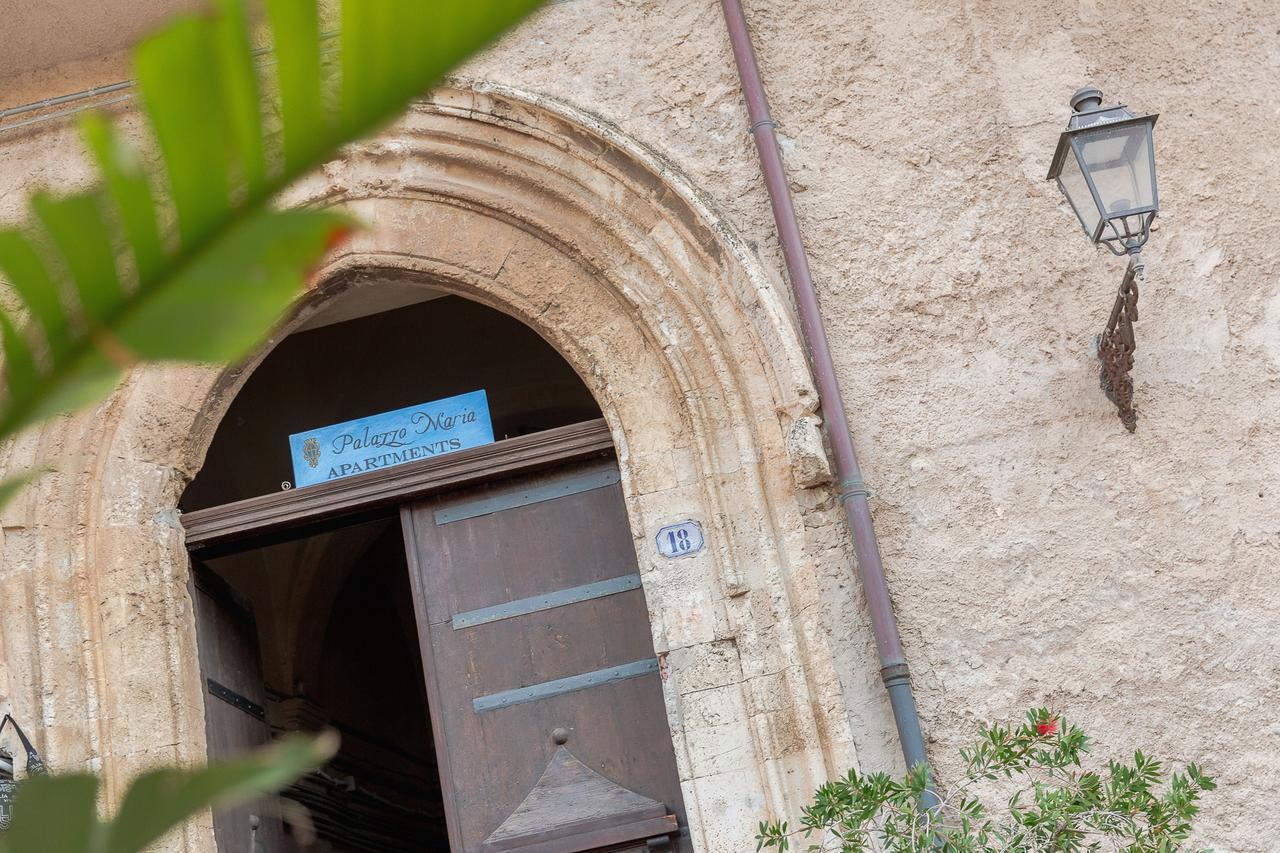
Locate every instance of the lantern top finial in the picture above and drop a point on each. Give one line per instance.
(1086, 98)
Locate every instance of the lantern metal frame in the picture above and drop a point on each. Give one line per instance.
(1123, 232)
(1126, 237)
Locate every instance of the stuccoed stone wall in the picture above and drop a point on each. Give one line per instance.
(1037, 553)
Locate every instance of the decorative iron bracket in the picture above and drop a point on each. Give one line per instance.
(35, 766)
(1117, 345)
(8, 784)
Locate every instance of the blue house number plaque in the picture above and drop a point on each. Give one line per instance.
(390, 439)
(680, 540)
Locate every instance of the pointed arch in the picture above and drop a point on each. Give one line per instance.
(554, 217)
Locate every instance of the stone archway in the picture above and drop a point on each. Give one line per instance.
(553, 217)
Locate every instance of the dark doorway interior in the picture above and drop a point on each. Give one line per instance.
(339, 649)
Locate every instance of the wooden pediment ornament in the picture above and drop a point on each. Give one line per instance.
(573, 809)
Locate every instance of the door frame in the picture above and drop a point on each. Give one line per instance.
(292, 513)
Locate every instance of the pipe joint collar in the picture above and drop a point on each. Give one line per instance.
(850, 489)
(895, 674)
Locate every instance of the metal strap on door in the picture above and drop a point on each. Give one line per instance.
(571, 484)
(560, 487)
(561, 686)
(548, 601)
(538, 603)
(235, 700)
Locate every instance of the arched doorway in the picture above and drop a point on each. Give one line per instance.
(481, 643)
(547, 214)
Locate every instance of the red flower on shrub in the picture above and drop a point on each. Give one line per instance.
(1047, 727)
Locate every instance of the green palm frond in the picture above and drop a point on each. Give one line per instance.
(60, 813)
(181, 256)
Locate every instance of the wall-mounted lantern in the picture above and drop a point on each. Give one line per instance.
(8, 780)
(1106, 167)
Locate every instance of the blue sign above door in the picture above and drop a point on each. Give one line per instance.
(390, 439)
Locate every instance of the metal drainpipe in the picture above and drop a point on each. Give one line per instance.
(853, 491)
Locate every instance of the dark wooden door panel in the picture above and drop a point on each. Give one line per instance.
(613, 729)
(550, 542)
(550, 645)
(532, 620)
(235, 705)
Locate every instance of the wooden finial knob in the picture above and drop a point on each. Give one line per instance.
(560, 736)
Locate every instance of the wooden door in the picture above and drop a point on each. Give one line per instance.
(532, 620)
(235, 705)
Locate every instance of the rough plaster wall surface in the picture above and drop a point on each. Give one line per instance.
(52, 33)
(1037, 553)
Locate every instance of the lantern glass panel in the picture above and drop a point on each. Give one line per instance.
(1076, 189)
(1119, 162)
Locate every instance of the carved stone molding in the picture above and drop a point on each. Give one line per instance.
(550, 215)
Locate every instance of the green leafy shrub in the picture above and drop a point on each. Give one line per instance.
(1024, 789)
